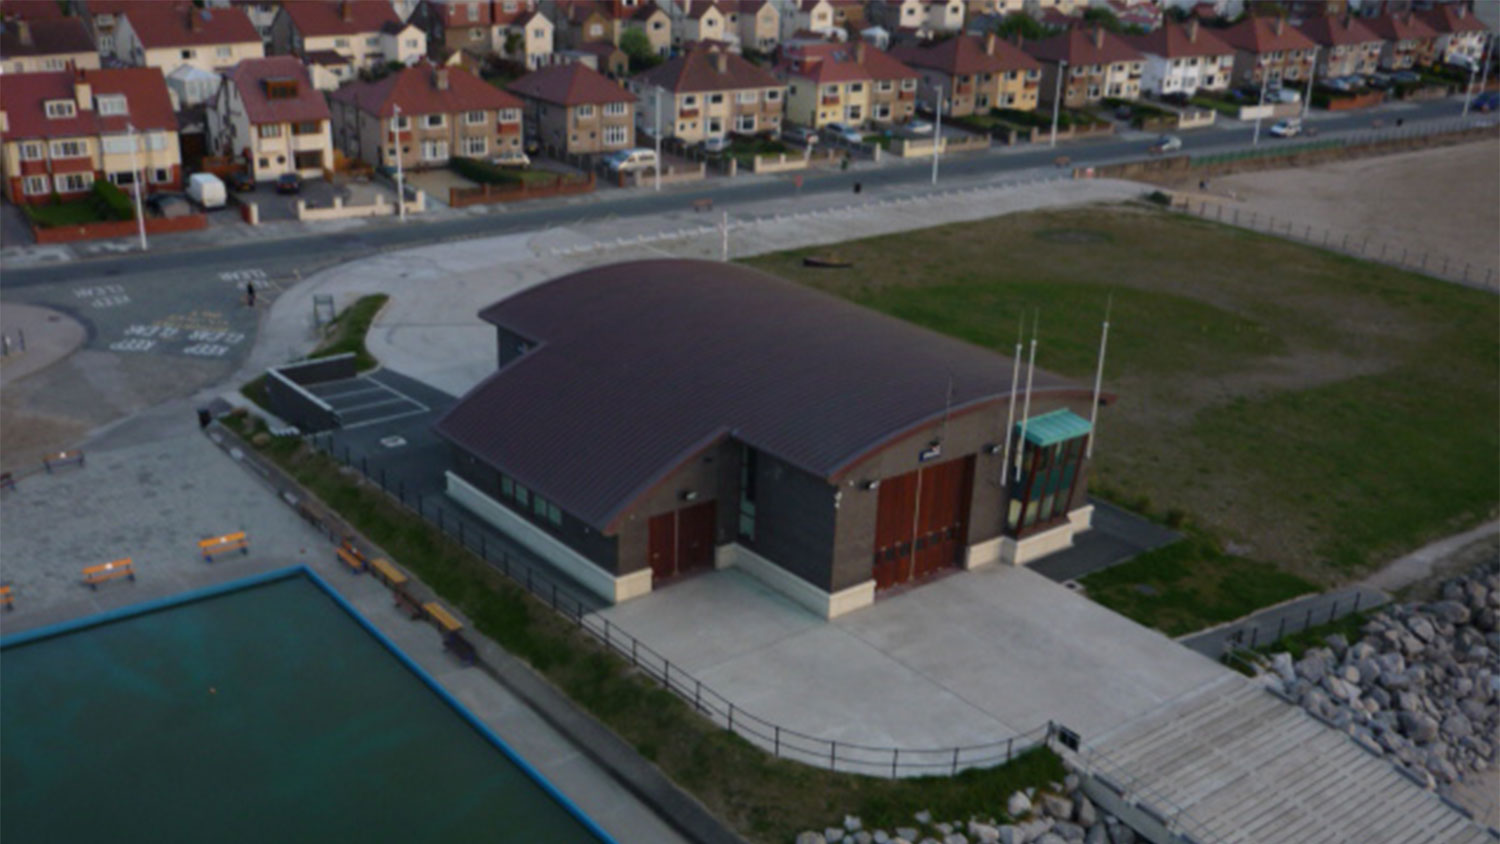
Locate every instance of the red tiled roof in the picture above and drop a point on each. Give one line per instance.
(249, 77)
(965, 54)
(339, 17)
(698, 70)
(523, 11)
(46, 37)
(1174, 40)
(696, 9)
(826, 62)
(25, 96)
(168, 25)
(1265, 35)
(1452, 18)
(1084, 47)
(1405, 27)
(32, 10)
(456, 12)
(1331, 31)
(570, 85)
(580, 10)
(416, 91)
(118, 7)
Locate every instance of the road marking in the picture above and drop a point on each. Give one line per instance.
(206, 350)
(137, 344)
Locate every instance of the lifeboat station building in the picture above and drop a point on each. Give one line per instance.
(656, 418)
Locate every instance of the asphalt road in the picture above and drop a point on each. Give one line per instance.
(312, 250)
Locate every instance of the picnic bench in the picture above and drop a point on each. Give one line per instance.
(406, 602)
(387, 573)
(63, 458)
(452, 640)
(351, 557)
(705, 204)
(95, 575)
(7, 597)
(236, 541)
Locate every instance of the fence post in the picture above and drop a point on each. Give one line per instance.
(606, 626)
(1254, 634)
(382, 480)
(1281, 628)
(1308, 622)
(1009, 746)
(955, 761)
(833, 755)
(1345, 247)
(698, 700)
(666, 674)
(1333, 611)
(895, 756)
(1357, 596)
(731, 716)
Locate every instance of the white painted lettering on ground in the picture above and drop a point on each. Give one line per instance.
(206, 350)
(239, 276)
(135, 344)
(103, 295)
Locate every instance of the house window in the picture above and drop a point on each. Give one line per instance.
(510, 115)
(583, 111)
(715, 126)
(882, 112)
(74, 182)
(264, 163)
(124, 177)
(595, 30)
(856, 87)
(773, 96)
(744, 123)
(309, 128)
(411, 44)
(748, 462)
(523, 495)
(34, 185)
(715, 99)
(33, 151)
(372, 41)
(614, 109)
(434, 150)
(474, 118)
(434, 121)
(885, 85)
(160, 176)
(224, 52)
(614, 135)
(269, 130)
(187, 54)
(341, 42)
(476, 146)
(110, 105)
(476, 34)
(908, 84)
(402, 122)
(61, 108)
(746, 97)
(69, 149)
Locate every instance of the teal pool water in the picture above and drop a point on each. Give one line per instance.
(264, 714)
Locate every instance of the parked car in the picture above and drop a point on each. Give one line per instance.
(1165, 144)
(512, 158)
(1406, 77)
(169, 205)
(803, 135)
(630, 160)
(920, 127)
(1282, 95)
(1459, 61)
(1286, 128)
(241, 181)
(1123, 113)
(847, 134)
(717, 144)
(1176, 98)
(1379, 81)
(1342, 83)
(1486, 102)
(206, 190)
(289, 183)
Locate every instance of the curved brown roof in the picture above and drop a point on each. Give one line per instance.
(636, 367)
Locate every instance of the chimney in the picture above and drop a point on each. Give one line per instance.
(23, 32)
(440, 79)
(1192, 30)
(859, 53)
(989, 44)
(346, 11)
(721, 61)
(83, 93)
(1099, 37)
(1279, 25)
(194, 23)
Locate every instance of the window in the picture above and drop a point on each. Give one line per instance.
(507, 486)
(595, 30)
(908, 84)
(744, 123)
(118, 144)
(583, 111)
(885, 86)
(110, 105)
(33, 151)
(269, 130)
(614, 135)
(69, 149)
(402, 122)
(715, 126)
(224, 52)
(510, 115)
(475, 147)
(882, 112)
(61, 108)
(476, 34)
(74, 182)
(411, 44)
(161, 176)
(715, 99)
(434, 150)
(264, 163)
(746, 97)
(523, 495)
(473, 12)
(372, 41)
(856, 87)
(614, 109)
(124, 177)
(474, 118)
(34, 185)
(341, 42)
(748, 461)
(434, 121)
(773, 96)
(187, 54)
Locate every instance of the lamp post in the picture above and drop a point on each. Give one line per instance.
(1312, 70)
(400, 172)
(1484, 61)
(135, 173)
(660, 92)
(1062, 70)
(1265, 77)
(937, 135)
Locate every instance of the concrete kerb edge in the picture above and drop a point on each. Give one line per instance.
(1306, 596)
(592, 738)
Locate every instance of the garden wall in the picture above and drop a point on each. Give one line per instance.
(118, 228)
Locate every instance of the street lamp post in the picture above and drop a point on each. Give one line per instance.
(1062, 70)
(660, 92)
(1484, 61)
(937, 136)
(135, 173)
(1265, 77)
(1312, 70)
(400, 171)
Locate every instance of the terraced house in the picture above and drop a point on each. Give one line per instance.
(1094, 64)
(61, 131)
(268, 114)
(1345, 45)
(709, 92)
(512, 29)
(367, 33)
(1269, 48)
(852, 84)
(1409, 41)
(755, 22)
(1459, 33)
(170, 35)
(698, 20)
(425, 115)
(571, 109)
(37, 46)
(1183, 58)
(971, 74)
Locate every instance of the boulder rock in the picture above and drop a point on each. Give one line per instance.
(1049, 838)
(1452, 612)
(1097, 834)
(852, 822)
(1457, 725)
(1084, 813)
(1068, 831)
(1057, 807)
(923, 817)
(1421, 628)
(906, 832)
(983, 832)
(833, 833)
(811, 838)
(955, 838)
(1008, 834)
(1418, 727)
(1312, 665)
(1284, 668)
(1018, 806)
(862, 837)
(881, 837)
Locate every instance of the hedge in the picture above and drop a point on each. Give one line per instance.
(115, 201)
(483, 172)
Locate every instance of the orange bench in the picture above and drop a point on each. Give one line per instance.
(450, 626)
(236, 541)
(95, 575)
(62, 458)
(387, 573)
(351, 556)
(7, 597)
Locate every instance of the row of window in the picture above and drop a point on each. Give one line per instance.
(273, 130)
(1224, 61)
(38, 150)
(610, 110)
(41, 184)
(524, 500)
(883, 86)
(438, 150)
(742, 97)
(1096, 69)
(613, 136)
(402, 122)
(219, 53)
(745, 123)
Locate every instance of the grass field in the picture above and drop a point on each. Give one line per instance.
(1300, 408)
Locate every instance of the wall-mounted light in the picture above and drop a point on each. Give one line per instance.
(689, 495)
(991, 448)
(875, 484)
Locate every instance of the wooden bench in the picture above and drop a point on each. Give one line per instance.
(95, 575)
(440, 616)
(236, 541)
(387, 573)
(705, 204)
(7, 597)
(63, 458)
(406, 603)
(351, 557)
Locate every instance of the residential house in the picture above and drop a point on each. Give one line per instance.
(755, 22)
(1459, 33)
(1095, 64)
(1345, 45)
(598, 55)
(459, 25)
(1306, 10)
(708, 92)
(1146, 16)
(698, 20)
(328, 69)
(899, 16)
(270, 116)
(851, 84)
(1409, 41)
(366, 32)
(943, 17)
(262, 13)
(806, 16)
(39, 46)
(971, 74)
(522, 33)
(424, 115)
(585, 21)
(1269, 48)
(1067, 8)
(849, 15)
(655, 23)
(1183, 58)
(170, 35)
(61, 131)
(573, 110)
(103, 16)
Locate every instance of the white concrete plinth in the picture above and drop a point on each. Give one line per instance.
(1050, 541)
(825, 604)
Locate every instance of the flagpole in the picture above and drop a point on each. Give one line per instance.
(1015, 384)
(1088, 451)
(1026, 405)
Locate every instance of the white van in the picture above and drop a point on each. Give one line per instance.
(630, 160)
(206, 189)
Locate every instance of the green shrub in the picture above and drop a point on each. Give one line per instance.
(483, 172)
(116, 203)
(1159, 198)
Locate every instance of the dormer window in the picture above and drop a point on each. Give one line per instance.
(284, 88)
(111, 105)
(57, 109)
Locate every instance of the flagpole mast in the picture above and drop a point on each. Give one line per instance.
(1026, 405)
(1088, 451)
(1015, 384)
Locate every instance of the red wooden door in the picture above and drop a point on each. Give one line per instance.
(661, 545)
(695, 537)
(922, 522)
(893, 530)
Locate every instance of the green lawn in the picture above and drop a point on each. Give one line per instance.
(1321, 414)
(73, 213)
(1225, 107)
(347, 332)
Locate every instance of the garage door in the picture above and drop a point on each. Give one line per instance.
(922, 522)
(681, 541)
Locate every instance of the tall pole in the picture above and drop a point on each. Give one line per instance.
(400, 172)
(1026, 405)
(1015, 386)
(724, 238)
(1312, 70)
(1062, 70)
(1484, 76)
(1484, 60)
(1088, 451)
(937, 136)
(136, 177)
(656, 132)
(1265, 76)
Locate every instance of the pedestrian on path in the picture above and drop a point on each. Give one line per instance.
(250, 294)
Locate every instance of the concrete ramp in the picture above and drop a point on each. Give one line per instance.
(1233, 763)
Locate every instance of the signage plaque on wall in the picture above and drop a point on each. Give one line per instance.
(931, 452)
